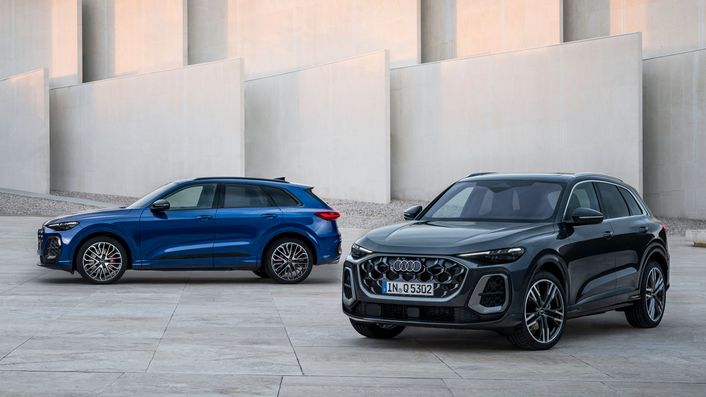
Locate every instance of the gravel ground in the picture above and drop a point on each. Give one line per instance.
(354, 214)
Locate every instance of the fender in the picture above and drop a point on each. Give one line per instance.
(115, 229)
(284, 229)
(655, 246)
(550, 256)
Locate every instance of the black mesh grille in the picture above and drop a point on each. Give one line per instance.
(416, 313)
(494, 292)
(447, 275)
(347, 284)
(52, 250)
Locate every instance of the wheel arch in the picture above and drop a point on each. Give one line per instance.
(657, 252)
(551, 262)
(292, 234)
(99, 233)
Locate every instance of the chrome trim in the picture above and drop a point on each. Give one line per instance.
(474, 302)
(644, 209)
(409, 298)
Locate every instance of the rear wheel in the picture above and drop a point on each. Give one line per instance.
(101, 260)
(649, 310)
(288, 261)
(375, 330)
(544, 314)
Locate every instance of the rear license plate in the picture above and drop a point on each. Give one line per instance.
(403, 288)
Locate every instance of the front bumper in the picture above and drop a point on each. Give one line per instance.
(460, 309)
(53, 251)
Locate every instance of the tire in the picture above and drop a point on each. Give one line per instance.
(101, 260)
(261, 273)
(288, 260)
(376, 331)
(543, 321)
(649, 310)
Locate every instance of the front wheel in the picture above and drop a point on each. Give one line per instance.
(649, 310)
(288, 261)
(101, 260)
(544, 314)
(376, 331)
(261, 273)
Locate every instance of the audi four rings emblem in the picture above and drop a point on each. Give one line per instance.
(406, 265)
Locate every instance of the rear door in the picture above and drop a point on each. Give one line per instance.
(244, 217)
(182, 236)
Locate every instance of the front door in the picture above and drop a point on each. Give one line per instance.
(244, 218)
(182, 236)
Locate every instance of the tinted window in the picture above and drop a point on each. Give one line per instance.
(280, 197)
(192, 197)
(612, 202)
(583, 196)
(244, 196)
(633, 206)
(497, 200)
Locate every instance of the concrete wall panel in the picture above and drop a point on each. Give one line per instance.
(462, 28)
(675, 134)
(133, 36)
(274, 36)
(24, 135)
(41, 34)
(129, 135)
(571, 107)
(327, 126)
(667, 26)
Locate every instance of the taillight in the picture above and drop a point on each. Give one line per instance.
(664, 227)
(328, 215)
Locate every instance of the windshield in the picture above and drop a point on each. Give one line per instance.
(150, 197)
(497, 201)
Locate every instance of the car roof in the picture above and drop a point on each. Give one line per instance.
(547, 176)
(266, 181)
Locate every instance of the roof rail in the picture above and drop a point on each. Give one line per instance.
(246, 178)
(597, 174)
(479, 174)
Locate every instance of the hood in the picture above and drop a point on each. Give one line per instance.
(450, 237)
(92, 214)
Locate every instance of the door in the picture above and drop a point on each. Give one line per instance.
(631, 236)
(182, 236)
(245, 216)
(588, 251)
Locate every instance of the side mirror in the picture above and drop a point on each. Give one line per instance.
(160, 205)
(585, 216)
(412, 212)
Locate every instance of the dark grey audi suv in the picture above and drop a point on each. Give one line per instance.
(516, 253)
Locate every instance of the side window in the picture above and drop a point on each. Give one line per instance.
(583, 196)
(280, 197)
(612, 201)
(633, 206)
(193, 197)
(244, 196)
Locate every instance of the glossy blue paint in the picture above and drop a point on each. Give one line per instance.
(205, 238)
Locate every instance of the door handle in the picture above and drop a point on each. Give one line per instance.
(204, 217)
(269, 216)
(643, 229)
(607, 234)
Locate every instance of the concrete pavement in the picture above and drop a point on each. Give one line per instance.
(231, 333)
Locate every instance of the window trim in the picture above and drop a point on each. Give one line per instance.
(222, 196)
(645, 212)
(180, 188)
(272, 200)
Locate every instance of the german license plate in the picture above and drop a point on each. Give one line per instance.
(403, 288)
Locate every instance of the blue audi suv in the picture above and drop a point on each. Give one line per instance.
(276, 229)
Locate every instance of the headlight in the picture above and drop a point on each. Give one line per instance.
(61, 226)
(505, 255)
(358, 252)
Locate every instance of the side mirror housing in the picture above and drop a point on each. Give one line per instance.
(412, 212)
(585, 216)
(160, 205)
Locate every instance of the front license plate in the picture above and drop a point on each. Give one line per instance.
(402, 288)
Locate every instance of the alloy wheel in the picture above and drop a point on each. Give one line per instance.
(544, 311)
(290, 261)
(655, 294)
(102, 261)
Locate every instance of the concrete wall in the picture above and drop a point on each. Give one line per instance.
(132, 36)
(41, 34)
(570, 107)
(327, 126)
(130, 134)
(274, 36)
(675, 134)
(24, 135)
(461, 28)
(667, 26)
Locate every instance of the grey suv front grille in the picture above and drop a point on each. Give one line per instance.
(446, 274)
